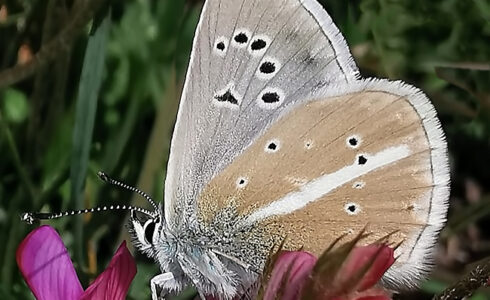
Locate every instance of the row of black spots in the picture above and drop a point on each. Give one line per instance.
(353, 142)
(257, 45)
(241, 38)
(270, 98)
(227, 97)
(268, 68)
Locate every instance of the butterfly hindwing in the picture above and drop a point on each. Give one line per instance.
(372, 155)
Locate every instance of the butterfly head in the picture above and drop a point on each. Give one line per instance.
(212, 258)
(147, 231)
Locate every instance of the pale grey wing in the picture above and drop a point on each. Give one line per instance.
(251, 60)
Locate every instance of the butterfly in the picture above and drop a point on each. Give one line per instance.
(278, 138)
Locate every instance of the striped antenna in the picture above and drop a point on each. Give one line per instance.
(31, 217)
(104, 177)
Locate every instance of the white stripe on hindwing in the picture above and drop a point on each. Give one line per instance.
(324, 184)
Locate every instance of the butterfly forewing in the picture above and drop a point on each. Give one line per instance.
(251, 59)
(336, 164)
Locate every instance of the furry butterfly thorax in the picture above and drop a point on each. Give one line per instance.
(278, 138)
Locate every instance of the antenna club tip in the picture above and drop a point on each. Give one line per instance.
(27, 217)
(103, 176)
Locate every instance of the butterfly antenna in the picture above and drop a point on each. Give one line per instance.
(31, 217)
(104, 177)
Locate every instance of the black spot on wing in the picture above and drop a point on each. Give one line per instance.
(227, 97)
(353, 141)
(267, 67)
(241, 38)
(220, 46)
(258, 44)
(270, 97)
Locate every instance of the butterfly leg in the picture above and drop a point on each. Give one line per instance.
(159, 281)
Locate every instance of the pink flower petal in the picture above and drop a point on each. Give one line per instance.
(361, 256)
(298, 265)
(374, 293)
(113, 283)
(379, 297)
(46, 266)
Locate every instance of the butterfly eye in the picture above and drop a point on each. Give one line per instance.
(149, 230)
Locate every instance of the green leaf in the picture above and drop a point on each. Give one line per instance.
(15, 106)
(480, 296)
(434, 286)
(86, 106)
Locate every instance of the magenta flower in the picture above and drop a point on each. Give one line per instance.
(48, 271)
(294, 277)
(299, 265)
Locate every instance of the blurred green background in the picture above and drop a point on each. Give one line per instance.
(89, 85)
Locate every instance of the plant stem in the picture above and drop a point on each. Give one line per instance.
(17, 162)
(465, 287)
(50, 51)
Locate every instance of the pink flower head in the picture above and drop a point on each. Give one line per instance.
(378, 258)
(294, 267)
(294, 276)
(48, 271)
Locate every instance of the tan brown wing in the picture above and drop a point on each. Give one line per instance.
(374, 156)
